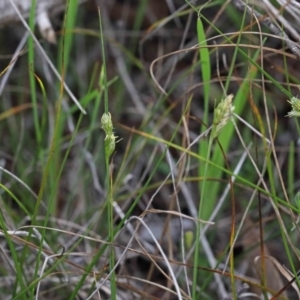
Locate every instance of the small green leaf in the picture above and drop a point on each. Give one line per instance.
(189, 239)
(297, 200)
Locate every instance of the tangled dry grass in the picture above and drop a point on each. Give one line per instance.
(196, 197)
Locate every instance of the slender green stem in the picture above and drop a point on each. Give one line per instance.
(109, 142)
(199, 225)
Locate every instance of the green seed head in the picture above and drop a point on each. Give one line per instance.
(110, 138)
(222, 114)
(295, 103)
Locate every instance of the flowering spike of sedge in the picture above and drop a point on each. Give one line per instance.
(295, 103)
(110, 138)
(222, 114)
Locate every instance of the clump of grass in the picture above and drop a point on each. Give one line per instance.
(72, 198)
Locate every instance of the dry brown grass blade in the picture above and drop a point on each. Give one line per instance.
(269, 274)
(287, 274)
(272, 276)
(15, 110)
